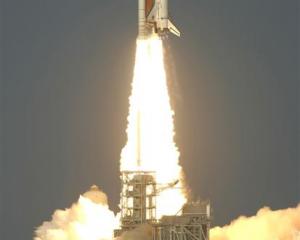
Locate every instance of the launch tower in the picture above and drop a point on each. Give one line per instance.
(137, 199)
(138, 206)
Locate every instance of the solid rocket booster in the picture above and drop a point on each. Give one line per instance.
(154, 18)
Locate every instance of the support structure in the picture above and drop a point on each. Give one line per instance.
(138, 200)
(138, 206)
(192, 224)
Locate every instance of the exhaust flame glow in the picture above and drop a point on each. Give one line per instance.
(150, 132)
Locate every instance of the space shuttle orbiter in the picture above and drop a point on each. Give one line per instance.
(154, 18)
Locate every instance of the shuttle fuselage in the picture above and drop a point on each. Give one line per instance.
(154, 18)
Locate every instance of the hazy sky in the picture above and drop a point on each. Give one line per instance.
(67, 68)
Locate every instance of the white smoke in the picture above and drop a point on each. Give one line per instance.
(88, 219)
(266, 225)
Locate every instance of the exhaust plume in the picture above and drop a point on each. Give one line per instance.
(150, 132)
(266, 225)
(88, 219)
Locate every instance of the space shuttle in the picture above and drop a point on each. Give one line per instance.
(154, 18)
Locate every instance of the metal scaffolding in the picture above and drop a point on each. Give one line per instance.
(138, 206)
(192, 224)
(138, 199)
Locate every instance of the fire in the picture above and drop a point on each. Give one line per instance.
(150, 133)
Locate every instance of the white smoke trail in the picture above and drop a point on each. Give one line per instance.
(266, 225)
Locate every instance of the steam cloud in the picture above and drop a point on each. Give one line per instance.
(91, 219)
(266, 225)
(88, 219)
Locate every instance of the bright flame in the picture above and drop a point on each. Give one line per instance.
(150, 132)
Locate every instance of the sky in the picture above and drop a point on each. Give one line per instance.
(66, 69)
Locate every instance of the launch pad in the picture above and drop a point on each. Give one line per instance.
(138, 207)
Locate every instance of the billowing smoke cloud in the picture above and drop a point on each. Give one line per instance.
(266, 225)
(88, 219)
(91, 219)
